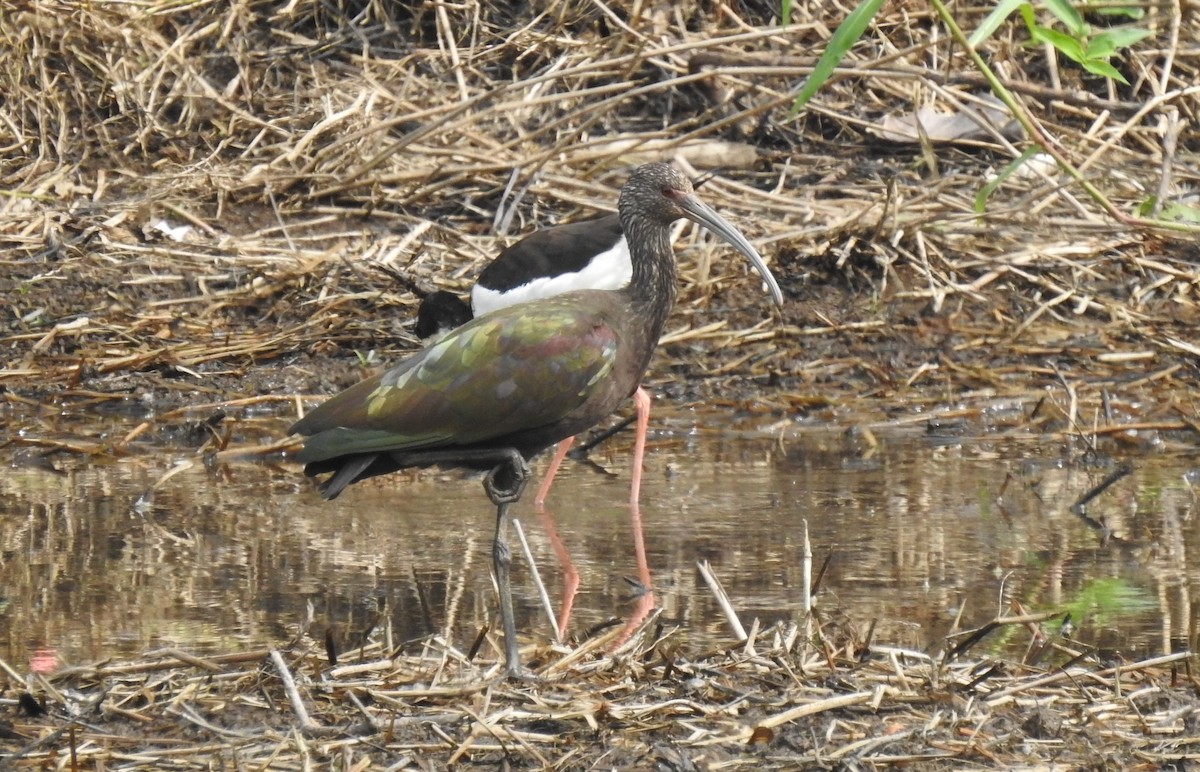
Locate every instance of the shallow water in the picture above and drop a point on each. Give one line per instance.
(97, 561)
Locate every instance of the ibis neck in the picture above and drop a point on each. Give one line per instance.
(652, 285)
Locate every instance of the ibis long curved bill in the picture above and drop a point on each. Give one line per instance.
(702, 214)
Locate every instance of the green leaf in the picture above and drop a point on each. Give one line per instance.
(1180, 213)
(1063, 43)
(1128, 11)
(987, 190)
(785, 13)
(1066, 13)
(847, 34)
(1099, 47)
(993, 20)
(1171, 212)
(1027, 15)
(1118, 38)
(1104, 69)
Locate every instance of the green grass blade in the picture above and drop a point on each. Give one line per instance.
(847, 34)
(1062, 42)
(1066, 13)
(1103, 69)
(987, 190)
(1114, 39)
(993, 20)
(1128, 11)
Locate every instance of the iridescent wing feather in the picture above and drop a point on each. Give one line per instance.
(519, 369)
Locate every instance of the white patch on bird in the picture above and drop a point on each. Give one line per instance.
(609, 270)
(505, 388)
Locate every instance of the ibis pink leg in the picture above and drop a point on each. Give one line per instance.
(570, 573)
(645, 601)
(641, 403)
(560, 452)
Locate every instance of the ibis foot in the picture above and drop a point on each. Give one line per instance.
(506, 482)
(503, 484)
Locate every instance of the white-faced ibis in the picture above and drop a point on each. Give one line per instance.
(504, 387)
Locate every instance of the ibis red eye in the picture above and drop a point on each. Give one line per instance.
(674, 194)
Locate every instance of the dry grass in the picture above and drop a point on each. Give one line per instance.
(189, 190)
(782, 697)
(333, 160)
